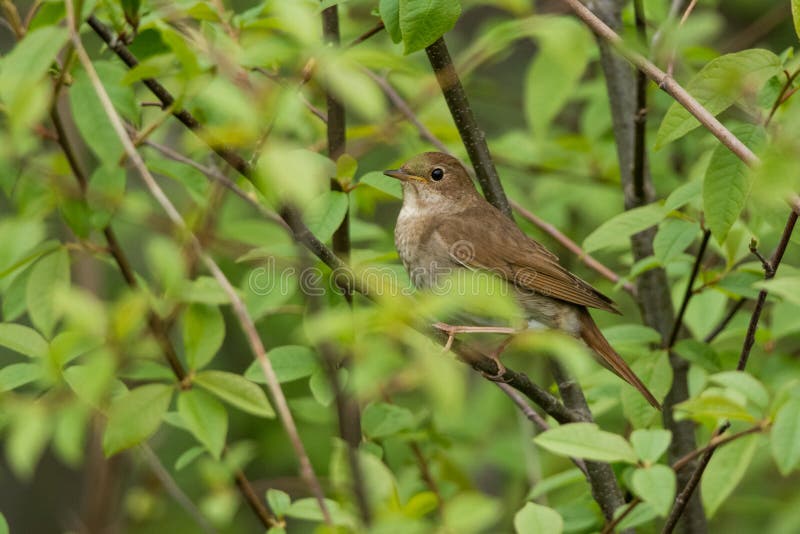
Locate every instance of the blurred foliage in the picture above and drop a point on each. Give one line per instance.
(443, 450)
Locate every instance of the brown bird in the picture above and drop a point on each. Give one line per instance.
(445, 224)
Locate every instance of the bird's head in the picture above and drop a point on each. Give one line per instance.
(434, 177)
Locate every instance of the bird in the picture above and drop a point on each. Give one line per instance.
(445, 224)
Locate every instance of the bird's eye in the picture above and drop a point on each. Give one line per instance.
(437, 174)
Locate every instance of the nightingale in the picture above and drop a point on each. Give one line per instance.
(445, 224)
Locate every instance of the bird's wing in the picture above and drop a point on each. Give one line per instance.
(496, 244)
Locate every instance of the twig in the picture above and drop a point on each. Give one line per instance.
(367, 34)
(471, 134)
(534, 417)
(174, 490)
(686, 493)
(711, 336)
(718, 441)
(687, 296)
(640, 117)
(281, 406)
(665, 83)
(611, 525)
(770, 268)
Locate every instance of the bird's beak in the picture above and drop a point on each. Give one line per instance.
(403, 176)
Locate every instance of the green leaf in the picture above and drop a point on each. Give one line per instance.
(237, 391)
(471, 512)
(786, 287)
(785, 436)
(320, 387)
(381, 182)
(189, 456)
(49, 277)
(698, 353)
(279, 501)
(309, 510)
(717, 86)
(656, 486)
(631, 334)
(203, 333)
(3, 524)
(673, 236)
(714, 406)
(537, 519)
(206, 419)
(106, 193)
(554, 482)
(744, 383)
(683, 194)
(92, 121)
(618, 229)
(390, 14)
(728, 181)
(556, 69)
(290, 362)
(204, 290)
(586, 440)
(25, 441)
(796, 16)
(380, 420)
(134, 417)
(725, 470)
(650, 444)
(28, 62)
(346, 167)
(424, 21)
(325, 213)
(18, 374)
(22, 339)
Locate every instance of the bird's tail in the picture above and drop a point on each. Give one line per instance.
(609, 358)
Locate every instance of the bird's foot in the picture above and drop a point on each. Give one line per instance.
(452, 330)
(499, 374)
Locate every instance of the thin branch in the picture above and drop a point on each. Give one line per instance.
(687, 296)
(174, 490)
(665, 83)
(534, 417)
(367, 34)
(685, 495)
(257, 347)
(718, 441)
(471, 134)
(717, 330)
(769, 272)
(640, 118)
(611, 525)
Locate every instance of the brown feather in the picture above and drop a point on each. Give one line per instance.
(609, 358)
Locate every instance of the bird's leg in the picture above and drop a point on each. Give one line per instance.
(452, 330)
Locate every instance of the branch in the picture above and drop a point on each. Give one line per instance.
(347, 407)
(281, 406)
(665, 83)
(367, 34)
(676, 327)
(471, 134)
(769, 272)
(718, 441)
(717, 330)
(174, 490)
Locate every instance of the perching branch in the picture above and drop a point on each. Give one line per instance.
(281, 406)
